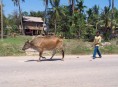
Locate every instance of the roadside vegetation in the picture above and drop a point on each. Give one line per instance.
(74, 46)
(13, 46)
(75, 22)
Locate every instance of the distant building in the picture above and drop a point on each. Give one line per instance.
(32, 25)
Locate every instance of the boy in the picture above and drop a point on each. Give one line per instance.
(97, 43)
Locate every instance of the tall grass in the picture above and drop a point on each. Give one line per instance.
(82, 47)
(74, 46)
(12, 46)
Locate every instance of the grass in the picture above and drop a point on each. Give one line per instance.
(82, 47)
(12, 46)
(74, 46)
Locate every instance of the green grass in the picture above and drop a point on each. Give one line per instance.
(81, 47)
(110, 49)
(74, 46)
(12, 46)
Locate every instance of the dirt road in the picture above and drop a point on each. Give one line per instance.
(72, 72)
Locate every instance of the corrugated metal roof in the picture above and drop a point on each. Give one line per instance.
(32, 19)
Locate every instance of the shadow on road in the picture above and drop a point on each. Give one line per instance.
(43, 60)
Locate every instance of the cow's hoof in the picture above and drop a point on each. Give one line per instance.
(38, 60)
(62, 59)
(50, 58)
(44, 57)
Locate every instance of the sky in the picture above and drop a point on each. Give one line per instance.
(38, 5)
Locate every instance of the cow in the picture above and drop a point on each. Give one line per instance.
(42, 43)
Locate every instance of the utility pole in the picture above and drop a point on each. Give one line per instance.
(1, 6)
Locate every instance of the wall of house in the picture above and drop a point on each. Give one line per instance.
(33, 25)
(32, 28)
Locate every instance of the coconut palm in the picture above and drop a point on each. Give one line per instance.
(72, 5)
(46, 7)
(80, 5)
(1, 19)
(112, 8)
(17, 3)
(56, 11)
(112, 14)
(106, 17)
(90, 15)
(111, 3)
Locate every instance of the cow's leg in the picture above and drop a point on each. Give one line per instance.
(40, 54)
(62, 55)
(43, 57)
(53, 53)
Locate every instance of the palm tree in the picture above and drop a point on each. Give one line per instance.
(1, 11)
(80, 5)
(56, 11)
(72, 5)
(105, 16)
(17, 3)
(112, 14)
(89, 15)
(112, 8)
(96, 9)
(46, 7)
(111, 3)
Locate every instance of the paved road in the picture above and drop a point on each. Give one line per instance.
(73, 72)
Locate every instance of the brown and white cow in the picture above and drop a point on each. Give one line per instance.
(43, 43)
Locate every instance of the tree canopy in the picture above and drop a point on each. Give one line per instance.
(74, 20)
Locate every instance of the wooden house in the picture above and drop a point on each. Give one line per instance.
(32, 25)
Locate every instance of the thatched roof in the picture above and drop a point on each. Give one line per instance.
(32, 19)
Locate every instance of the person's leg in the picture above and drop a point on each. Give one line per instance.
(94, 53)
(99, 52)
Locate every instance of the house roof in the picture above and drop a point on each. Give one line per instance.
(32, 19)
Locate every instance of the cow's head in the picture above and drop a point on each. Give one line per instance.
(26, 45)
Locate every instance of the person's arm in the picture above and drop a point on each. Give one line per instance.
(94, 42)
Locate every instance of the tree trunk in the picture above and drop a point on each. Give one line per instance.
(55, 27)
(22, 30)
(46, 6)
(112, 18)
(73, 5)
(2, 34)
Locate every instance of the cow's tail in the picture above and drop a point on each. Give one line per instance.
(63, 54)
